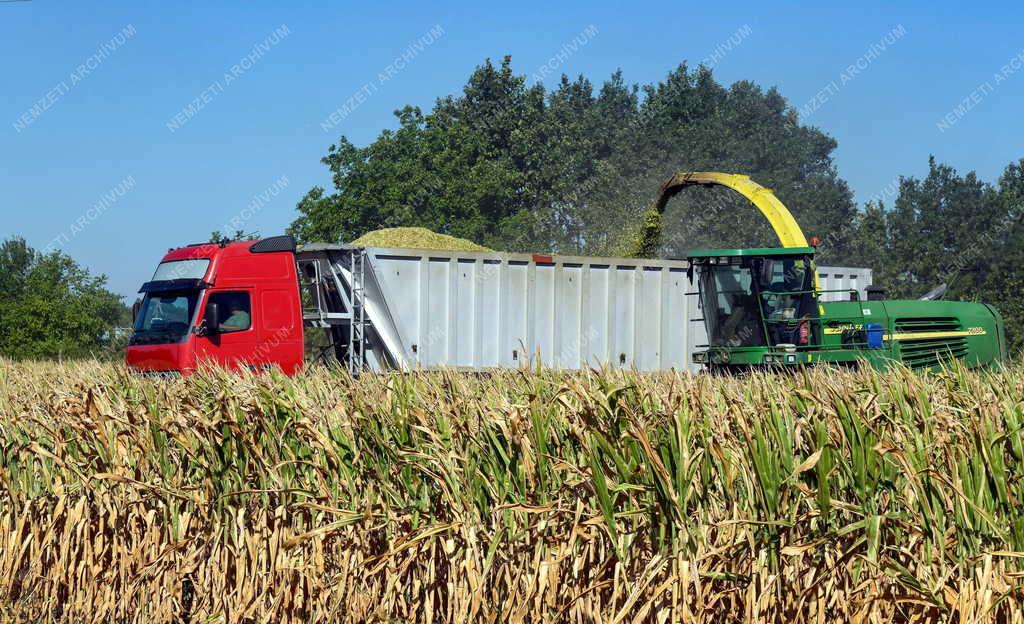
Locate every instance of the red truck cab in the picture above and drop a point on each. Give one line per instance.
(235, 305)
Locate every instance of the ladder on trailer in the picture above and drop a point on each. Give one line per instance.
(357, 331)
(335, 281)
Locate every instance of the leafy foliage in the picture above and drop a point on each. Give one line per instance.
(511, 166)
(52, 307)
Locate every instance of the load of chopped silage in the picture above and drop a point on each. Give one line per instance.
(416, 238)
(643, 241)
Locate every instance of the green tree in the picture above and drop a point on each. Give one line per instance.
(690, 122)
(870, 242)
(1002, 246)
(52, 307)
(512, 166)
(940, 231)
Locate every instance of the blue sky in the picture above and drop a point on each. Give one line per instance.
(102, 156)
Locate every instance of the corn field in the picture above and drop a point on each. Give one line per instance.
(518, 496)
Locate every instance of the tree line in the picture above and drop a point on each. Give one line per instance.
(512, 166)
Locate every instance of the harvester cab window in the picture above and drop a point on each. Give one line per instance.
(730, 306)
(787, 298)
(235, 309)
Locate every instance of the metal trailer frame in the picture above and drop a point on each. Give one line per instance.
(387, 308)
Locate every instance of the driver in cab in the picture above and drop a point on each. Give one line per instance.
(784, 299)
(238, 320)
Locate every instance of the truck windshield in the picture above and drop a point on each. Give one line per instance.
(164, 317)
(731, 310)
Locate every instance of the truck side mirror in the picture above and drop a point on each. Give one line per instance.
(211, 319)
(135, 311)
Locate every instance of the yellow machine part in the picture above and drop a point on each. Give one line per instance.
(785, 226)
(781, 220)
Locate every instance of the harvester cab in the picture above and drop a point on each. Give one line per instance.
(760, 306)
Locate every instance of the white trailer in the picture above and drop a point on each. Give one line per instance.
(386, 308)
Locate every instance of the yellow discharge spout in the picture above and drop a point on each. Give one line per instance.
(648, 239)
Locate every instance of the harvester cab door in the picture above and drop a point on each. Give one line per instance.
(788, 299)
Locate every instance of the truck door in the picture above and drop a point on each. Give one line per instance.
(233, 343)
